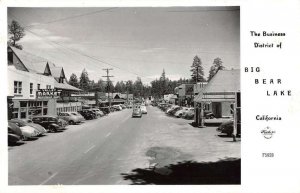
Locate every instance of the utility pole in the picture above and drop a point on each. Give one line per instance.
(107, 85)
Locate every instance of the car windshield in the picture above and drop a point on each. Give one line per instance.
(20, 124)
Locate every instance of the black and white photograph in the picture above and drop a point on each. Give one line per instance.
(180, 96)
(124, 95)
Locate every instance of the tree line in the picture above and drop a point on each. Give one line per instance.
(158, 87)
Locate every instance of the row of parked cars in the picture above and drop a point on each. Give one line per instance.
(177, 111)
(188, 113)
(183, 112)
(24, 129)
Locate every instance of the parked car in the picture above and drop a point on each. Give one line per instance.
(50, 123)
(173, 109)
(70, 117)
(27, 131)
(123, 106)
(88, 115)
(209, 115)
(189, 114)
(227, 128)
(62, 123)
(143, 109)
(29, 122)
(80, 117)
(105, 110)
(117, 107)
(137, 112)
(97, 112)
(180, 112)
(14, 133)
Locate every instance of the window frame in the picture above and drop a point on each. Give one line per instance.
(31, 88)
(17, 87)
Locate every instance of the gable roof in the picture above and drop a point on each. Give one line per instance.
(19, 64)
(57, 72)
(32, 62)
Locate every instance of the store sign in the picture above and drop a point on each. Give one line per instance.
(48, 93)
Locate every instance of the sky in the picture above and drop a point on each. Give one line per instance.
(133, 41)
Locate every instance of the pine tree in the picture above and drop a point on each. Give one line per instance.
(197, 70)
(217, 65)
(84, 80)
(74, 80)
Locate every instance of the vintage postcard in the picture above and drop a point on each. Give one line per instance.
(176, 97)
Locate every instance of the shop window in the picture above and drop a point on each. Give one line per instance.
(45, 103)
(15, 112)
(15, 115)
(23, 104)
(38, 86)
(17, 87)
(61, 80)
(45, 111)
(48, 86)
(31, 88)
(23, 113)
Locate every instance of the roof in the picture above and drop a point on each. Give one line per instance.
(65, 86)
(56, 71)
(223, 84)
(32, 62)
(37, 64)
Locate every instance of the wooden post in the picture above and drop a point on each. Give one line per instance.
(234, 123)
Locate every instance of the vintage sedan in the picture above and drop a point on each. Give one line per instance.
(87, 114)
(143, 109)
(14, 133)
(50, 123)
(27, 131)
(180, 112)
(227, 128)
(189, 114)
(29, 122)
(137, 112)
(70, 117)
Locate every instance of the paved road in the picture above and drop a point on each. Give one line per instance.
(94, 152)
(99, 151)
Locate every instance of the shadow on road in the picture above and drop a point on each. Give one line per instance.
(16, 144)
(31, 139)
(226, 171)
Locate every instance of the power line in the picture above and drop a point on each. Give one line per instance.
(70, 17)
(86, 55)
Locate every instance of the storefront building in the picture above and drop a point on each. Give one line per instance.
(32, 88)
(23, 84)
(220, 92)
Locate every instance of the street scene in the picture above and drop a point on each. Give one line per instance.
(124, 96)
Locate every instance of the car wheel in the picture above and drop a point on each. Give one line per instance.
(52, 128)
(71, 122)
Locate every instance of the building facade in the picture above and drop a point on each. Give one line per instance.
(32, 90)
